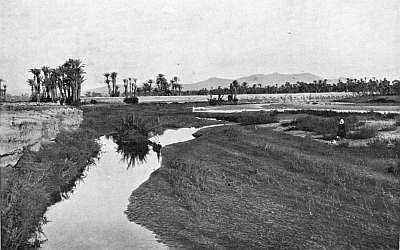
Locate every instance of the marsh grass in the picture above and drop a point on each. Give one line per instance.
(245, 117)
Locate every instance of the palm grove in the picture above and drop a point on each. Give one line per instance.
(159, 86)
(60, 84)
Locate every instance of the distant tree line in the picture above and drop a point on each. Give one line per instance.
(60, 84)
(162, 87)
(159, 86)
(360, 86)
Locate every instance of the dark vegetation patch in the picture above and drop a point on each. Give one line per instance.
(331, 113)
(382, 100)
(131, 100)
(245, 117)
(389, 99)
(39, 180)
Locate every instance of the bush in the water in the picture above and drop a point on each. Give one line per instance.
(131, 100)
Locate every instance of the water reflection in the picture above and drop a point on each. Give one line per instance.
(93, 217)
(134, 152)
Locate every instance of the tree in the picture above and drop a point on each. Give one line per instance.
(3, 90)
(113, 76)
(125, 86)
(134, 85)
(75, 78)
(107, 81)
(244, 87)
(130, 84)
(234, 87)
(162, 84)
(31, 82)
(46, 82)
(36, 76)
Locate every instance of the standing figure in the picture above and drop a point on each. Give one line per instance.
(341, 133)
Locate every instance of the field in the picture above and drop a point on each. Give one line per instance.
(262, 182)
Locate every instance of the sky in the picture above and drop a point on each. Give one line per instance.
(196, 40)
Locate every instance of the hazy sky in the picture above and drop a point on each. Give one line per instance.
(195, 40)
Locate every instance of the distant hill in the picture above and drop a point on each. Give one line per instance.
(103, 90)
(213, 82)
(265, 80)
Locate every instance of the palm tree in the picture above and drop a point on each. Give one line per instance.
(31, 83)
(125, 86)
(162, 84)
(134, 85)
(179, 86)
(150, 82)
(130, 84)
(75, 76)
(2, 90)
(113, 76)
(46, 82)
(234, 86)
(244, 87)
(107, 81)
(36, 76)
(61, 83)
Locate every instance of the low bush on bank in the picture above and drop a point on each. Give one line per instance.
(39, 180)
(131, 100)
(132, 125)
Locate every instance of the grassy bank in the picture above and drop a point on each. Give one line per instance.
(243, 188)
(39, 180)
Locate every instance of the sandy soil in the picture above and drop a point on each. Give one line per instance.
(29, 125)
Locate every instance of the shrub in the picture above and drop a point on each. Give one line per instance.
(132, 125)
(93, 101)
(131, 100)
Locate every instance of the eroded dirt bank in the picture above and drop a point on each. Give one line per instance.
(29, 125)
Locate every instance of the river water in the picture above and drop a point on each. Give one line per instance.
(93, 217)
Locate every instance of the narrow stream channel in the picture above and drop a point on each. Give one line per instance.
(93, 217)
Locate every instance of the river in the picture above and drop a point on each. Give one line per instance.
(93, 216)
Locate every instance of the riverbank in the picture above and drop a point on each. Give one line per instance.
(247, 187)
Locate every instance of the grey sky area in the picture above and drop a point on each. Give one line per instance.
(195, 40)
